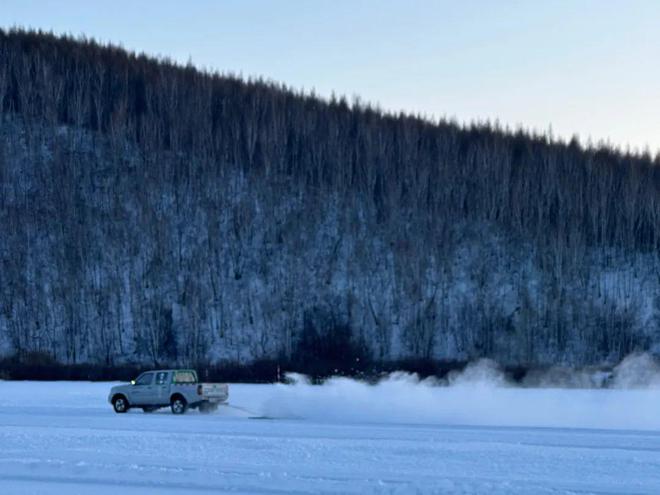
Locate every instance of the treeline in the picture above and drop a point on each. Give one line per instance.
(156, 214)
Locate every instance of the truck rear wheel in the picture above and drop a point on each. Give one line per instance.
(120, 404)
(178, 405)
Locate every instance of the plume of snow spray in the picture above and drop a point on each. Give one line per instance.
(637, 371)
(480, 395)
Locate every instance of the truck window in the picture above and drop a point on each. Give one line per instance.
(161, 378)
(145, 379)
(184, 377)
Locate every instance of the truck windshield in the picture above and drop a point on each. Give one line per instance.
(184, 377)
(144, 379)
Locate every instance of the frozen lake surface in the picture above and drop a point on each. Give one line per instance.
(399, 437)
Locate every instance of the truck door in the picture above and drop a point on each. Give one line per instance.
(142, 393)
(162, 387)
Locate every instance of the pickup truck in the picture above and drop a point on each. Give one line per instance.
(179, 389)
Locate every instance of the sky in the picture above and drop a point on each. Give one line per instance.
(585, 67)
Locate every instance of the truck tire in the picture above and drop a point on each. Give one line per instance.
(120, 404)
(178, 405)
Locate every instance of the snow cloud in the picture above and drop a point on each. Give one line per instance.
(481, 395)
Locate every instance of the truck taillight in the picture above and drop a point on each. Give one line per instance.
(199, 390)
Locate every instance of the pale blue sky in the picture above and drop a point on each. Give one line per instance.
(590, 67)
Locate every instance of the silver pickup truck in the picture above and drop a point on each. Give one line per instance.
(179, 389)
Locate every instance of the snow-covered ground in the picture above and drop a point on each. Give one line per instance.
(401, 436)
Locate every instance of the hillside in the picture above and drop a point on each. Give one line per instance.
(155, 214)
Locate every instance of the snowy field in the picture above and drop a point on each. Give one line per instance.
(401, 436)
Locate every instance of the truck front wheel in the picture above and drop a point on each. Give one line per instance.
(120, 404)
(178, 405)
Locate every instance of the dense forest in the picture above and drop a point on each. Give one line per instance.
(156, 214)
